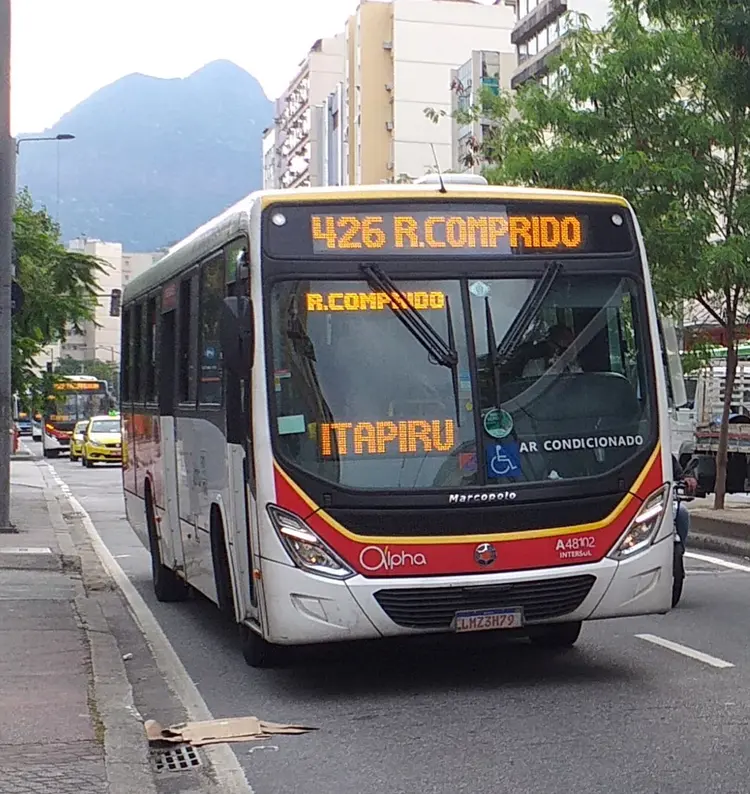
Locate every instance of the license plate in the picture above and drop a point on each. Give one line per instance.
(488, 619)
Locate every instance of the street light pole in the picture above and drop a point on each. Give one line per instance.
(7, 194)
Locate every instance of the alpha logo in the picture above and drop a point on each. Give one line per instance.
(373, 558)
(485, 554)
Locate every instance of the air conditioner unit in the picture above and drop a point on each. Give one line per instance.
(389, 125)
(387, 45)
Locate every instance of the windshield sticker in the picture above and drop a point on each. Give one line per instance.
(418, 436)
(289, 425)
(479, 289)
(372, 301)
(498, 423)
(464, 381)
(503, 460)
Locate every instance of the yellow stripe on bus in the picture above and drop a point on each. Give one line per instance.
(496, 538)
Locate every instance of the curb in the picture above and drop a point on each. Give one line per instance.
(719, 534)
(126, 754)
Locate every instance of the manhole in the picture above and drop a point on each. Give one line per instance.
(175, 759)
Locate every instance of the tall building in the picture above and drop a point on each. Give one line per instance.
(484, 71)
(354, 114)
(400, 56)
(289, 146)
(539, 31)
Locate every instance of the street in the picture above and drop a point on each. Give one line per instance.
(648, 705)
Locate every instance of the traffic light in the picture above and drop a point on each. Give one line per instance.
(49, 366)
(114, 303)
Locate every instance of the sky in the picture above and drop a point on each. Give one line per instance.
(64, 50)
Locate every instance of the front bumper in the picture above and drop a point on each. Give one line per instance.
(311, 609)
(103, 454)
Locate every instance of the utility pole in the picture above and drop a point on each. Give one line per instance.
(7, 201)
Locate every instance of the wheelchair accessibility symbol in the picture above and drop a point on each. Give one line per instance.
(503, 460)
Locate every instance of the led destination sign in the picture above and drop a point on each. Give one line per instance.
(372, 301)
(77, 386)
(450, 229)
(417, 231)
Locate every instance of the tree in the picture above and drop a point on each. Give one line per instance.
(654, 107)
(59, 287)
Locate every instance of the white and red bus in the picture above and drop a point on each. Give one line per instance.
(74, 397)
(364, 412)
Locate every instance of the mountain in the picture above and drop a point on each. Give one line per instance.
(152, 158)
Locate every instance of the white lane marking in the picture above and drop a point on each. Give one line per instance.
(230, 775)
(735, 566)
(685, 650)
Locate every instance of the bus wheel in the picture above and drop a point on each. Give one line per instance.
(557, 635)
(168, 586)
(256, 651)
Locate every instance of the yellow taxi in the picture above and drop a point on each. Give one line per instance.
(102, 441)
(76, 440)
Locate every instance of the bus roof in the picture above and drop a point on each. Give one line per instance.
(234, 220)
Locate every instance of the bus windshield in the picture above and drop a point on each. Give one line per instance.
(70, 406)
(356, 400)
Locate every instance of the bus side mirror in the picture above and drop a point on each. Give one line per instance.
(673, 363)
(237, 335)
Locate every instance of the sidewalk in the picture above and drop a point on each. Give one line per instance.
(67, 723)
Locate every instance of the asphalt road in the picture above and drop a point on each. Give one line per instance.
(619, 713)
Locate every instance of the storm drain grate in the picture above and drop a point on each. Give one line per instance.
(176, 759)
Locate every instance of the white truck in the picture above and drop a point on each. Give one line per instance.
(704, 414)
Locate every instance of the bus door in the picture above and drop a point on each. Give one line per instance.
(172, 549)
(241, 468)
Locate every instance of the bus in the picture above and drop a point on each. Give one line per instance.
(73, 397)
(363, 412)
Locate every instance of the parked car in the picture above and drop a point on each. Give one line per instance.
(76, 440)
(102, 441)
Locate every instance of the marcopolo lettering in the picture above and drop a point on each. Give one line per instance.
(594, 442)
(481, 496)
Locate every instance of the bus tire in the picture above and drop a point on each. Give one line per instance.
(557, 635)
(168, 587)
(256, 651)
(678, 573)
(222, 573)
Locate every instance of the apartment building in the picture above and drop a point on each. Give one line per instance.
(540, 28)
(100, 339)
(484, 71)
(290, 146)
(354, 114)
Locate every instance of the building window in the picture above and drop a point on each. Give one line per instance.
(212, 297)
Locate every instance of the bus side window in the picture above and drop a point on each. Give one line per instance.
(187, 341)
(210, 383)
(150, 357)
(137, 379)
(126, 349)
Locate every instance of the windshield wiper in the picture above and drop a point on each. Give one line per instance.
(440, 351)
(498, 355)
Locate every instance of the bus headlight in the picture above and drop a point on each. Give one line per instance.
(643, 528)
(305, 548)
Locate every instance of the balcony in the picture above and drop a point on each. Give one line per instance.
(537, 20)
(535, 66)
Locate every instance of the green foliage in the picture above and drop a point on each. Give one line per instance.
(59, 287)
